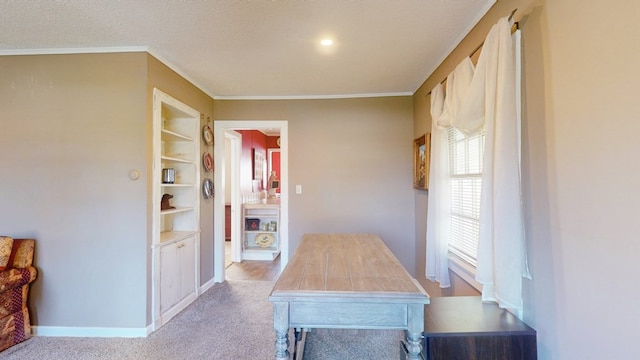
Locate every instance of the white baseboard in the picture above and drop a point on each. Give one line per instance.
(103, 332)
(206, 286)
(90, 331)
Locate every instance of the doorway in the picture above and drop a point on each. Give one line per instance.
(227, 173)
(233, 149)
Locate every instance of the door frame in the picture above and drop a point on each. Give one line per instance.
(233, 168)
(220, 128)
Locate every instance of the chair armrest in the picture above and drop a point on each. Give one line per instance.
(13, 278)
(22, 253)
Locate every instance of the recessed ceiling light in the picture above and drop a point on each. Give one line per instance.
(326, 42)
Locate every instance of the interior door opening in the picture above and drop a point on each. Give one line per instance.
(227, 173)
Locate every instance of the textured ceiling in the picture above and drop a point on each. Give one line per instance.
(257, 48)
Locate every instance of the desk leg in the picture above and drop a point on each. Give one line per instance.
(415, 330)
(281, 326)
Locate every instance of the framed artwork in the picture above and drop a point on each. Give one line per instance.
(258, 164)
(421, 160)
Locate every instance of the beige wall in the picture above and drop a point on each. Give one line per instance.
(71, 129)
(580, 178)
(353, 158)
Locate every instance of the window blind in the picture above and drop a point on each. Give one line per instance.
(466, 183)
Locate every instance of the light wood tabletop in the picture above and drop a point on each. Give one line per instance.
(350, 281)
(330, 265)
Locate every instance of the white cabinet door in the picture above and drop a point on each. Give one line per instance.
(177, 272)
(187, 260)
(169, 279)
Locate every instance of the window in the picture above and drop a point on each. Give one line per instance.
(465, 159)
(455, 225)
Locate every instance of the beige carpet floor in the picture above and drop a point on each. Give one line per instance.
(232, 320)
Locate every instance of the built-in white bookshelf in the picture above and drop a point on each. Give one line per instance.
(176, 220)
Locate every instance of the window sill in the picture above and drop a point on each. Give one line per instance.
(468, 274)
(465, 271)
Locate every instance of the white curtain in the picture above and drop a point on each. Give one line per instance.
(488, 102)
(443, 112)
(438, 210)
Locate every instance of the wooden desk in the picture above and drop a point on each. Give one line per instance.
(348, 281)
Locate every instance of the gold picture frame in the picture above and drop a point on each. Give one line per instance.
(421, 161)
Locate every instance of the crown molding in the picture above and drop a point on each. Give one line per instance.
(87, 50)
(150, 51)
(312, 97)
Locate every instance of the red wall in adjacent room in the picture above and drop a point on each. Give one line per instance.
(272, 143)
(258, 141)
(252, 140)
(275, 158)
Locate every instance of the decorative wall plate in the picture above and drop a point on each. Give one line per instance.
(265, 239)
(207, 188)
(207, 161)
(207, 135)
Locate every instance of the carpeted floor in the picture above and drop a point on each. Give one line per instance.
(336, 344)
(232, 320)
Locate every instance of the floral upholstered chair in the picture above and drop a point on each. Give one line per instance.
(16, 273)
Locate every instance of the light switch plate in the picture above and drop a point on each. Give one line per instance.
(298, 189)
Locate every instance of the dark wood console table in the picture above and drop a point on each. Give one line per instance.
(463, 327)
